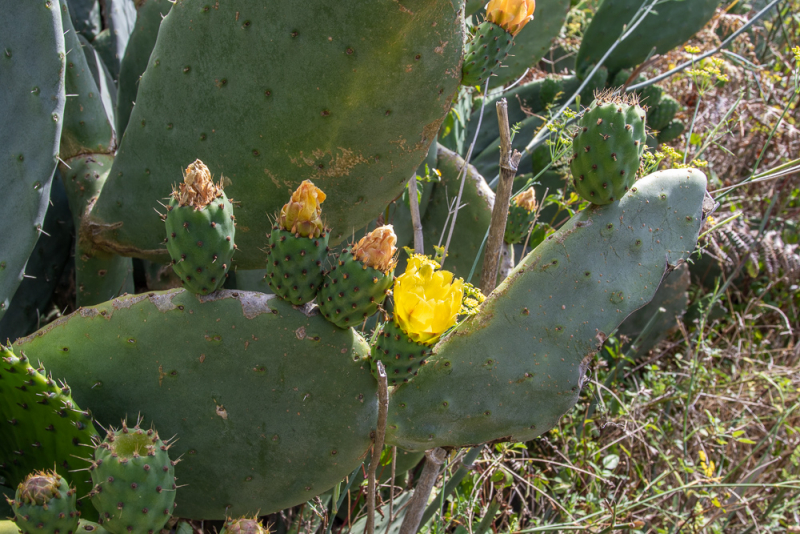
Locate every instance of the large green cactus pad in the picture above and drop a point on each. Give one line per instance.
(32, 69)
(229, 375)
(349, 97)
(512, 370)
(668, 25)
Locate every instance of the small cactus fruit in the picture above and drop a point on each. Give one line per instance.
(521, 215)
(494, 38)
(200, 231)
(360, 279)
(401, 356)
(607, 150)
(134, 481)
(45, 504)
(243, 525)
(297, 245)
(659, 117)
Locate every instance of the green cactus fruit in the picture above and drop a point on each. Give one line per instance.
(134, 481)
(243, 525)
(294, 265)
(510, 371)
(607, 149)
(200, 231)
(521, 215)
(360, 279)
(483, 54)
(672, 131)
(45, 504)
(401, 356)
(40, 425)
(659, 117)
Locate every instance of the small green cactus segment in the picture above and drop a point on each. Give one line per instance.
(659, 117)
(203, 102)
(518, 224)
(401, 356)
(243, 525)
(672, 131)
(294, 265)
(40, 424)
(134, 481)
(352, 291)
(99, 275)
(142, 40)
(201, 243)
(45, 504)
(484, 53)
(240, 365)
(510, 372)
(32, 69)
(607, 150)
(669, 25)
(533, 41)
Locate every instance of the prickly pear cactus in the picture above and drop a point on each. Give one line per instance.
(134, 480)
(673, 130)
(200, 231)
(659, 117)
(487, 48)
(351, 98)
(41, 425)
(45, 504)
(230, 374)
(607, 149)
(243, 525)
(510, 372)
(521, 215)
(360, 279)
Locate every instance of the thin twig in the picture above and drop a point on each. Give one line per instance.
(416, 223)
(509, 160)
(377, 446)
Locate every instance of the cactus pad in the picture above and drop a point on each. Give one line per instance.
(659, 117)
(40, 424)
(509, 372)
(672, 131)
(352, 291)
(45, 504)
(134, 481)
(483, 54)
(294, 265)
(607, 149)
(401, 356)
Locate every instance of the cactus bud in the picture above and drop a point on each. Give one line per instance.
(377, 249)
(511, 15)
(301, 215)
(198, 189)
(526, 200)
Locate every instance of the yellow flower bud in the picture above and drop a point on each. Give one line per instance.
(198, 189)
(426, 300)
(377, 249)
(511, 15)
(302, 214)
(527, 200)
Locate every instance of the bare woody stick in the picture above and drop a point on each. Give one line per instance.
(377, 446)
(413, 201)
(434, 458)
(509, 160)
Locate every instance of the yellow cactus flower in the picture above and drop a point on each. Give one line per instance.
(377, 249)
(302, 214)
(527, 200)
(511, 15)
(426, 300)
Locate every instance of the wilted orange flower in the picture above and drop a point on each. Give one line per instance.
(302, 214)
(511, 15)
(377, 249)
